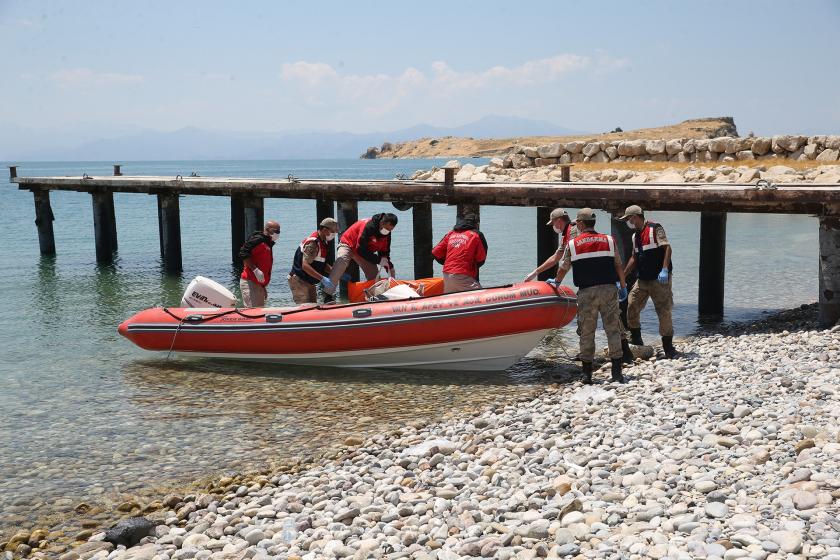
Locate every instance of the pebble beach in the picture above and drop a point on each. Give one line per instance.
(730, 451)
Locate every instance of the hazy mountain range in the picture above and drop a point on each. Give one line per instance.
(86, 143)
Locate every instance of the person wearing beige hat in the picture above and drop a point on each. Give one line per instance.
(599, 276)
(565, 228)
(311, 266)
(652, 260)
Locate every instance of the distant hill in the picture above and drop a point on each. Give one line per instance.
(464, 145)
(82, 142)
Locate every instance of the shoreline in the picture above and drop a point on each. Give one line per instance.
(587, 490)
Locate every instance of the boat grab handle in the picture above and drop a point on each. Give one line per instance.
(359, 313)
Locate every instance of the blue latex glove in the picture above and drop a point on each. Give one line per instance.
(622, 292)
(552, 281)
(346, 277)
(326, 283)
(663, 277)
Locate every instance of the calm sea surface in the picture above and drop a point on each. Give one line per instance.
(86, 416)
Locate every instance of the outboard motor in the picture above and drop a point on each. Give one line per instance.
(203, 292)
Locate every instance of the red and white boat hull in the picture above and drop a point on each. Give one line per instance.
(486, 329)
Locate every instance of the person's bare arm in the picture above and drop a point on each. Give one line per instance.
(619, 270)
(631, 264)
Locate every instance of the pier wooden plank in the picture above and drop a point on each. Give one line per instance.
(789, 198)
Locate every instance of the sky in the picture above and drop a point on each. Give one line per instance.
(374, 66)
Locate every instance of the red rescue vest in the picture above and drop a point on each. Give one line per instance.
(593, 259)
(461, 252)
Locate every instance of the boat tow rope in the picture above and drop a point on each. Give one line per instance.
(198, 319)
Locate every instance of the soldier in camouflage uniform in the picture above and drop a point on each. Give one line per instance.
(599, 276)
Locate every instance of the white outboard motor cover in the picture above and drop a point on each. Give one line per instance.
(203, 292)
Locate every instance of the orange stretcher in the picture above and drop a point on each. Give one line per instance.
(424, 286)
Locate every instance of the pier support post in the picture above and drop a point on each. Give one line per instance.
(829, 270)
(348, 214)
(547, 242)
(422, 224)
(104, 225)
(246, 216)
(326, 209)
(117, 170)
(169, 228)
(44, 221)
(712, 263)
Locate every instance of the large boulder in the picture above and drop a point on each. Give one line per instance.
(720, 144)
(655, 147)
(632, 148)
(575, 147)
(674, 146)
(761, 145)
(828, 155)
(787, 143)
(690, 146)
(591, 149)
(811, 150)
(702, 144)
(600, 157)
(465, 172)
(520, 161)
(542, 162)
(745, 155)
(554, 150)
(530, 151)
(832, 142)
(129, 532)
(611, 152)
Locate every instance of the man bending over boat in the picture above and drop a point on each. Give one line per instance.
(368, 243)
(311, 265)
(257, 259)
(462, 251)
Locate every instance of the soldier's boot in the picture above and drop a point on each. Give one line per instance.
(616, 370)
(626, 354)
(668, 347)
(587, 372)
(636, 337)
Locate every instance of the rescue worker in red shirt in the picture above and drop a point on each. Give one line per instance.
(257, 259)
(368, 243)
(599, 276)
(565, 228)
(462, 251)
(311, 265)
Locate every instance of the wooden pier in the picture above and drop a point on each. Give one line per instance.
(340, 198)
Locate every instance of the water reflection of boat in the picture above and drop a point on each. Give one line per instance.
(487, 329)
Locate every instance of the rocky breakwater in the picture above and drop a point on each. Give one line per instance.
(495, 171)
(730, 451)
(681, 150)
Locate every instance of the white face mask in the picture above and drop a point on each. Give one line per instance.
(631, 225)
(275, 236)
(558, 229)
(385, 231)
(330, 236)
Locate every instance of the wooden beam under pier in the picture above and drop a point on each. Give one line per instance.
(104, 225)
(829, 271)
(348, 214)
(169, 229)
(325, 208)
(423, 240)
(712, 263)
(44, 221)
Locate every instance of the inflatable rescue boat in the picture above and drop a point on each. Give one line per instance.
(488, 329)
